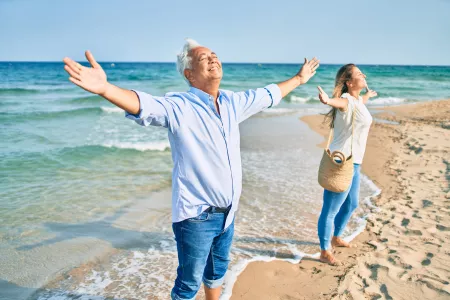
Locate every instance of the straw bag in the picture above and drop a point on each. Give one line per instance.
(336, 176)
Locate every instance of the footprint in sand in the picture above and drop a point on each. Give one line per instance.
(436, 279)
(431, 241)
(397, 261)
(405, 222)
(413, 232)
(374, 270)
(384, 291)
(442, 228)
(431, 286)
(427, 261)
(426, 203)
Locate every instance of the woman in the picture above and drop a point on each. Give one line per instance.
(338, 207)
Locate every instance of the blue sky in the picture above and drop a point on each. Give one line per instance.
(364, 31)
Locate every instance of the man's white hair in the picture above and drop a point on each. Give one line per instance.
(183, 58)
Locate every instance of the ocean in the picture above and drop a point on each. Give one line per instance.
(85, 193)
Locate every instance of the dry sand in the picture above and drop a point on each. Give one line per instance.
(404, 252)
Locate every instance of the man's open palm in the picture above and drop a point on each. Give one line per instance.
(308, 70)
(91, 79)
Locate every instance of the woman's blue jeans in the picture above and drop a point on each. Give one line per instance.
(337, 209)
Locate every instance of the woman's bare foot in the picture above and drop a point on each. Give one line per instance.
(328, 258)
(338, 242)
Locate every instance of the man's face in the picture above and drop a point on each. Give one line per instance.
(205, 67)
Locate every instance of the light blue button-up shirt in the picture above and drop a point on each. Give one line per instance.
(205, 145)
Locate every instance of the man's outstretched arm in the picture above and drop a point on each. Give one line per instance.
(253, 101)
(307, 71)
(94, 80)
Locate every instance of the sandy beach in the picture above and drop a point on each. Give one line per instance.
(404, 251)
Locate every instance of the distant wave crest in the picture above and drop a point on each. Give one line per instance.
(387, 101)
(299, 99)
(33, 90)
(155, 146)
(112, 109)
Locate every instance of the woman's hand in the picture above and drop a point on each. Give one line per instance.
(323, 96)
(371, 94)
(368, 95)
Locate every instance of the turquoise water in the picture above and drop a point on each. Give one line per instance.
(68, 157)
(55, 137)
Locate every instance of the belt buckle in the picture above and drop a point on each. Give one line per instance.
(219, 210)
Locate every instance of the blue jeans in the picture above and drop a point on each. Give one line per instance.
(203, 253)
(337, 208)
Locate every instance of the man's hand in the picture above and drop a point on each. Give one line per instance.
(94, 80)
(323, 96)
(91, 79)
(308, 70)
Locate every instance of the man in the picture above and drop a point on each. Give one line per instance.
(203, 130)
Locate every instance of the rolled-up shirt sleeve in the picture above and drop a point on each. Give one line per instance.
(254, 101)
(153, 110)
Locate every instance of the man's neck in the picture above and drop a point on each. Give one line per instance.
(211, 88)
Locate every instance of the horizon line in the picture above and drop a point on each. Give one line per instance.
(255, 63)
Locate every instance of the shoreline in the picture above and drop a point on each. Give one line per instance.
(237, 270)
(384, 265)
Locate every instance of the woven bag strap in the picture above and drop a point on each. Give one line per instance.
(330, 135)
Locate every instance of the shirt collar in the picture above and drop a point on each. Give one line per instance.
(205, 97)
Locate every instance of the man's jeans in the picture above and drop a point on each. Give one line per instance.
(203, 253)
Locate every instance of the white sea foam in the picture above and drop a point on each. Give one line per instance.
(279, 110)
(386, 101)
(137, 274)
(65, 295)
(158, 146)
(294, 98)
(302, 110)
(385, 121)
(112, 109)
(376, 192)
(315, 110)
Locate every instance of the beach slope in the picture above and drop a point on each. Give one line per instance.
(404, 253)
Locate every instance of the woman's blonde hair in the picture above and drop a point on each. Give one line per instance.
(340, 87)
